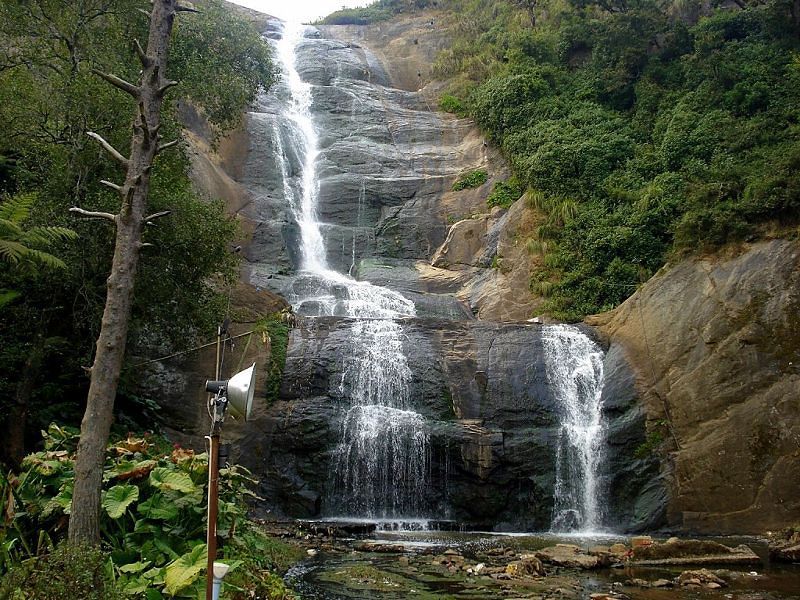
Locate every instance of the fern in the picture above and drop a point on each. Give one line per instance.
(18, 244)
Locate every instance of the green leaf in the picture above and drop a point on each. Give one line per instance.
(185, 570)
(136, 567)
(158, 507)
(152, 594)
(7, 297)
(118, 498)
(62, 501)
(163, 545)
(166, 479)
(135, 586)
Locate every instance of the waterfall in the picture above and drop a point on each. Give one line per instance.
(382, 459)
(574, 365)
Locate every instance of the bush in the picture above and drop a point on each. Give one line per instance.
(451, 104)
(67, 573)
(472, 179)
(504, 193)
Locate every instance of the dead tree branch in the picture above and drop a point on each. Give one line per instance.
(117, 82)
(109, 148)
(94, 214)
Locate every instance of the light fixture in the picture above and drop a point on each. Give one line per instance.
(235, 394)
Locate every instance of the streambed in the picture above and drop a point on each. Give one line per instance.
(437, 564)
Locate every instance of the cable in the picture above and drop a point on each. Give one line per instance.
(195, 349)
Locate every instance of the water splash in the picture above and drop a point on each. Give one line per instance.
(574, 366)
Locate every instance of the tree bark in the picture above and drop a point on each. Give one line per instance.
(796, 16)
(16, 420)
(84, 525)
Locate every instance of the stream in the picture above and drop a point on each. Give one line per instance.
(410, 571)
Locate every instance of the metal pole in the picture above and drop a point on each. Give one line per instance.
(213, 490)
(213, 483)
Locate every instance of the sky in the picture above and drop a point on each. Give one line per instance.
(300, 10)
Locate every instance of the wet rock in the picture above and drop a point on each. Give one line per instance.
(688, 552)
(526, 566)
(700, 578)
(618, 549)
(641, 541)
(786, 546)
(379, 548)
(568, 556)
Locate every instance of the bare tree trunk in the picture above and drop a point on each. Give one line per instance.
(16, 420)
(796, 16)
(84, 525)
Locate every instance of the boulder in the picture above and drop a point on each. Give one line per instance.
(703, 577)
(527, 566)
(693, 552)
(568, 556)
(786, 546)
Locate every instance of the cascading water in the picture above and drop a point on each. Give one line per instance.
(382, 460)
(574, 366)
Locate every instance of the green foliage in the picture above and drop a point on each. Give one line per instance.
(66, 573)
(49, 99)
(645, 130)
(504, 193)
(274, 330)
(452, 104)
(153, 520)
(471, 179)
(380, 10)
(221, 61)
(21, 245)
(650, 445)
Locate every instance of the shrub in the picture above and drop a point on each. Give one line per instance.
(451, 104)
(472, 179)
(67, 573)
(504, 193)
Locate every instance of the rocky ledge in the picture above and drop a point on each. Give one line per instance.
(491, 568)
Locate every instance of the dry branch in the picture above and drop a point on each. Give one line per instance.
(94, 214)
(143, 58)
(162, 90)
(112, 185)
(157, 215)
(168, 145)
(109, 148)
(125, 86)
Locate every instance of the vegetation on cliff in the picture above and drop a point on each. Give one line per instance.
(641, 129)
(380, 10)
(50, 97)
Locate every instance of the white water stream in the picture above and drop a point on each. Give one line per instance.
(575, 375)
(382, 460)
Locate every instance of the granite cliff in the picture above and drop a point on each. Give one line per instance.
(701, 394)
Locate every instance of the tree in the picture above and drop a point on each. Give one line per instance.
(84, 525)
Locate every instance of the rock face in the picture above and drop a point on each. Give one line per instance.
(482, 388)
(715, 348)
(386, 165)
